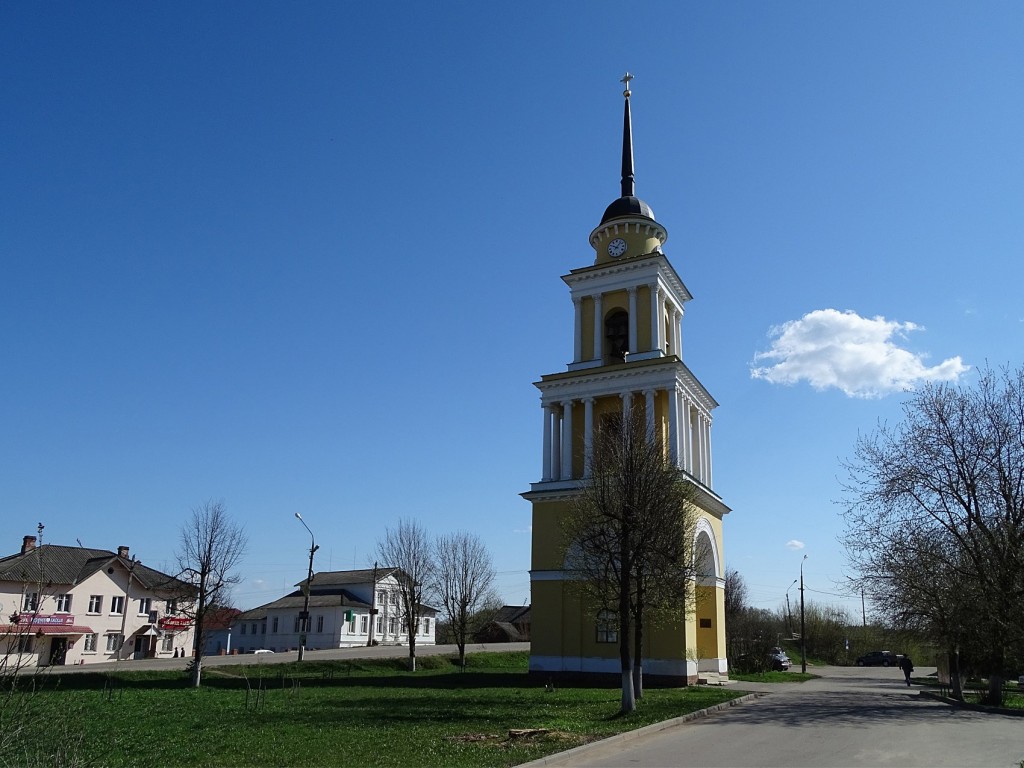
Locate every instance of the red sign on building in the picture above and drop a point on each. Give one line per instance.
(174, 623)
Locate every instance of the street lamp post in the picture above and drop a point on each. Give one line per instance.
(789, 613)
(803, 639)
(304, 616)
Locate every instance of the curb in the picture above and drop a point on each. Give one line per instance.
(968, 705)
(640, 732)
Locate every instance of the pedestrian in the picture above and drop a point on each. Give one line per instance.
(907, 666)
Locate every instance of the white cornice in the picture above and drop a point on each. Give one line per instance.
(642, 270)
(637, 225)
(664, 373)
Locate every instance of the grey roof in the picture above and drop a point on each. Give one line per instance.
(57, 564)
(512, 614)
(363, 576)
(296, 599)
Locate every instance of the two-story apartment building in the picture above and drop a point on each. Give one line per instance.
(76, 605)
(346, 609)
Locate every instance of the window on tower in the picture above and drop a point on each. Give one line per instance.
(616, 333)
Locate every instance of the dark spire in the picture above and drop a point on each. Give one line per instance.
(628, 185)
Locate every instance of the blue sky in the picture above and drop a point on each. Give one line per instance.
(306, 256)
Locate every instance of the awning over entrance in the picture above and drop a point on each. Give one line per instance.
(54, 630)
(147, 630)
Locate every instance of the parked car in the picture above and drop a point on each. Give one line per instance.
(877, 659)
(779, 661)
(262, 650)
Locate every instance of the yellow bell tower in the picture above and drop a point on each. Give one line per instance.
(627, 358)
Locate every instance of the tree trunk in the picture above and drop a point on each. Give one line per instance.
(994, 697)
(625, 660)
(412, 648)
(638, 645)
(954, 675)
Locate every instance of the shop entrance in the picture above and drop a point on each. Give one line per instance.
(58, 651)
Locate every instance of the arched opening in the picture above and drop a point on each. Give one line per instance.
(616, 334)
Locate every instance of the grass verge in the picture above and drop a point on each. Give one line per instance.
(366, 712)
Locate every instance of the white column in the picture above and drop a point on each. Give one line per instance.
(556, 444)
(588, 434)
(649, 402)
(655, 318)
(632, 320)
(710, 474)
(545, 474)
(673, 427)
(627, 407)
(598, 327)
(687, 437)
(701, 449)
(577, 339)
(567, 440)
(677, 329)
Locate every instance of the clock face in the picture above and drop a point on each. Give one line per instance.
(616, 247)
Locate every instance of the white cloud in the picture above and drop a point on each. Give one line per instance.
(794, 544)
(857, 355)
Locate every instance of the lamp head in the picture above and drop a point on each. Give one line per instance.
(298, 516)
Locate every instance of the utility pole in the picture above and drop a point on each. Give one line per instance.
(803, 637)
(789, 613)
(373, 606)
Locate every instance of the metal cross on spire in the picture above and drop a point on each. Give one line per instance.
(625, 81)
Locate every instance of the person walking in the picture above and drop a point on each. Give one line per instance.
(907, 666)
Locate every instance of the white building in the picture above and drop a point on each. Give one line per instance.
(346, 609)
(75, 605)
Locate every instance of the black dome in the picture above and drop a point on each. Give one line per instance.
(628, 205)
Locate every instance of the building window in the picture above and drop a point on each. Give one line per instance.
(426, 626)
(144, 605)
(25, 643)
(90, 643)
(172, 607)
(380, 625)
(382, 597)
(254, 629)
(113, 643)
(298, 624)
(95, 603)
(319, 623)
(263, 628)
(117, 604)
(394, 598)
(30, 602)
(273, 626)
(243, 629)
(168, 643)
(64, 603)
(607, 627)
(364, 624)
(392, 624)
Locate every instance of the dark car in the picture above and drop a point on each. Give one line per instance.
(877, 659)
(778, 660)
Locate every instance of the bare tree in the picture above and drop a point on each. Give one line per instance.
(630, 538)
(407, 548)
(210, 548)
(464, 583)
(935, 518)
(736, 597)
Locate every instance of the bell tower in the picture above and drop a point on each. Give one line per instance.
(627, 359)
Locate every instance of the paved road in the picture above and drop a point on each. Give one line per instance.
(362, 652)
(848, 717)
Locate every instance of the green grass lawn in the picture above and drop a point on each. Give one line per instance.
(771, 677)
(366, 713)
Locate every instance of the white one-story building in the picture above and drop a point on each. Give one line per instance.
(75, 605)
(346, 609)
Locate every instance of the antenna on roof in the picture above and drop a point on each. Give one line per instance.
(80, 543)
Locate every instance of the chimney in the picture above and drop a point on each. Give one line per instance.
(122, 552)
(28, 544)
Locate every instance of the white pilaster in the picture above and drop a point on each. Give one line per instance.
(598, 327)
(556, 444)
(711, 478)
(632, 320)
(687, 437)
(649, 402)
(546, 468)
(673, 427)
(677, 329)
(566, 440)
(577, 337)
(627, 408)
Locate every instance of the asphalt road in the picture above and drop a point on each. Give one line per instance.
(362, 652)
(851, 716)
